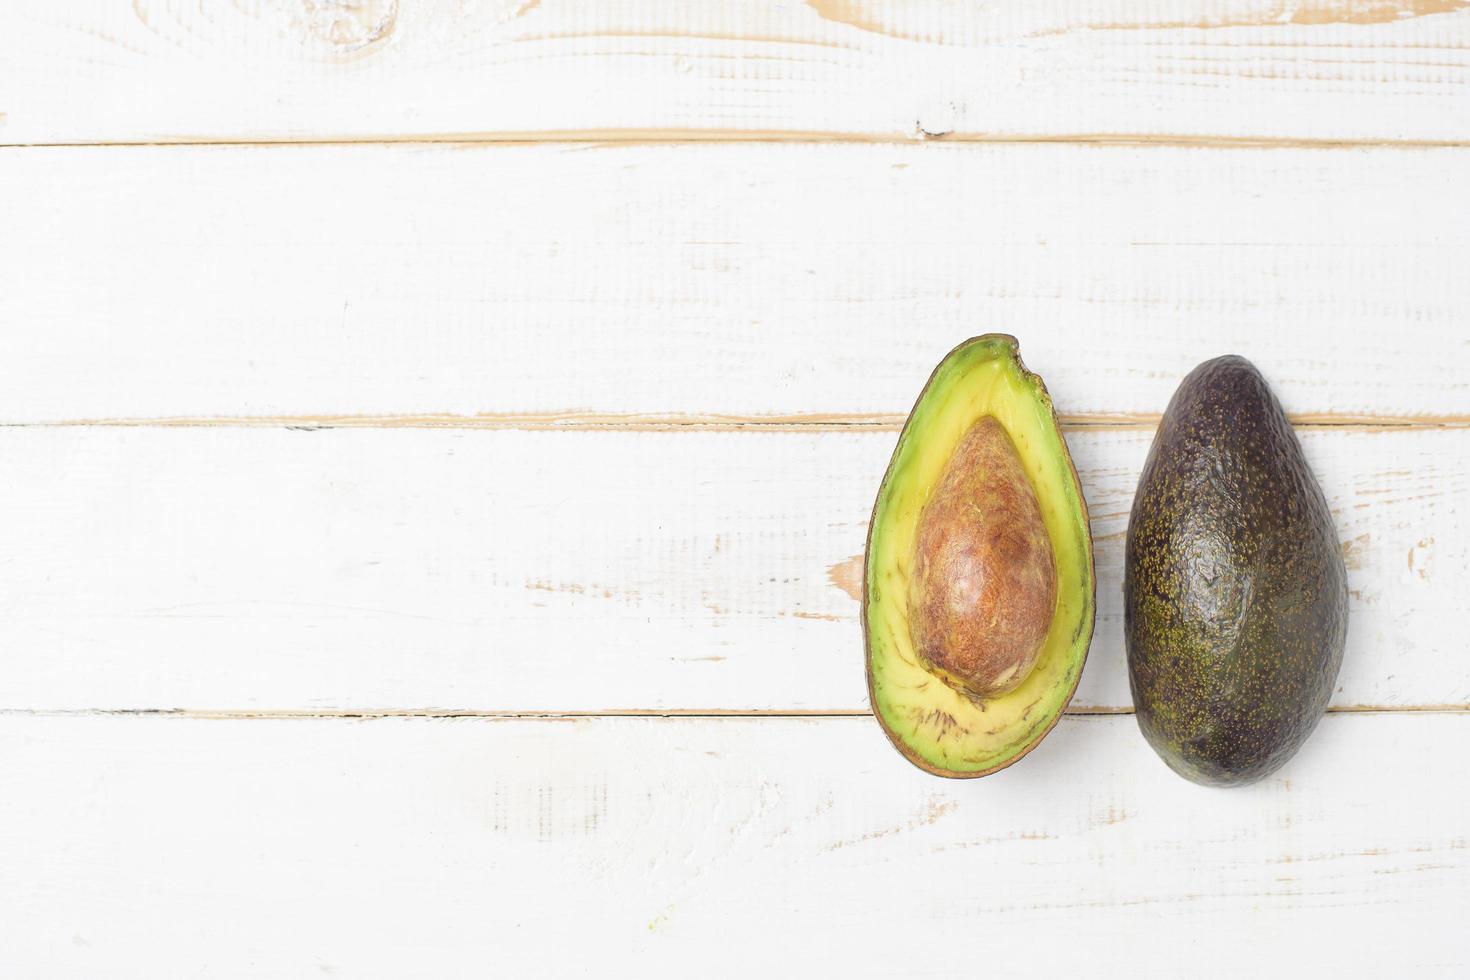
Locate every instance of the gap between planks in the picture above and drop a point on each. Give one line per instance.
(635, 137)
(594, 421)
(669, 714)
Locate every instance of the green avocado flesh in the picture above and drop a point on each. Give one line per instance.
(1234, 591)
(934, 724)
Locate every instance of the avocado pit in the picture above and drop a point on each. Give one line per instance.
(984, 585)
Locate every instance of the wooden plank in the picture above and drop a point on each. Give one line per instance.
(153, 70)
(369, 569)
(142, 847)
(733, 281)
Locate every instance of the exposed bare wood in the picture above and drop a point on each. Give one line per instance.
(371, 714)
(624, 138)
(811, 422)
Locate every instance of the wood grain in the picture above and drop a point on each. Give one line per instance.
(157, 70)
(259, 570)
(541, 285)
(146, 847)
(359, 494)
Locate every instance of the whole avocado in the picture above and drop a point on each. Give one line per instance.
(1234, 591)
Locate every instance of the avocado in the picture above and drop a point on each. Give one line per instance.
(1234, 591)
(978, 581)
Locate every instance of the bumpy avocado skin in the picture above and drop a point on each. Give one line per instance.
(1235, 594)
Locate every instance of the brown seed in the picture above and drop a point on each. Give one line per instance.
(984, 586)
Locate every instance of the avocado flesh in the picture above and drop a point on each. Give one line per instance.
(935, 726)
(1235, 594)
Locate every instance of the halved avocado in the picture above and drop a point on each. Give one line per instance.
(978, 585)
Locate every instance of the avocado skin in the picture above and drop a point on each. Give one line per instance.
(1235, 593)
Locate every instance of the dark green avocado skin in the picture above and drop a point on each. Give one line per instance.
(1234, 590)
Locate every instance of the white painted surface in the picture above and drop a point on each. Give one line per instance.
(368, 569)
(732, 331)
(89, 70)
(135, 847)
(720, 279)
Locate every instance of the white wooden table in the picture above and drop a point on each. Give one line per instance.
(439, 437)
